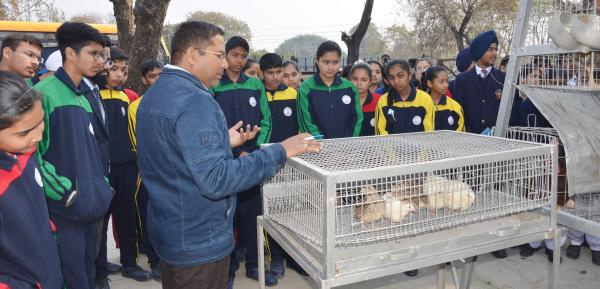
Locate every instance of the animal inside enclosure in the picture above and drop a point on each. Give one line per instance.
(398, 186)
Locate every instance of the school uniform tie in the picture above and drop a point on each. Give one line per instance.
(484, 73)
(99, 102)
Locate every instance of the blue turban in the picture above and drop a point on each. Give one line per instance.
(481, 43)
(463, 60)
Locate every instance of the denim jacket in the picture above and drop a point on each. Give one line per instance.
(186, 163)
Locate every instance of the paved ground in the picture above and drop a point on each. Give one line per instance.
(513, 272)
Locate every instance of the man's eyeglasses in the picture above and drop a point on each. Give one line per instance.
(219, 55)
(98, 55)
(32, 55)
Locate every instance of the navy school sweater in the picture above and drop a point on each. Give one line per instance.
(449, 115)
(480, 99)
(531, 116)
(333, 111)
(28, 251)
(100, 125)
(394, 115)
(368, 110)
(244, 100)
(284, 120)
(68, 154)
(116, 104)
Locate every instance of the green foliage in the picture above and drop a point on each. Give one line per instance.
(304, 45)
(372, 45)
(30, 10)
(257, 54)
(92, 17)
(229, 24)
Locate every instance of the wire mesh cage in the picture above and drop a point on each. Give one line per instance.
(583, 205)
(545, 17)
(578, 6)
(567, 70)
(572, 26)
(393, 187)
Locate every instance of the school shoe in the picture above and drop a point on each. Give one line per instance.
(500, 254)
(278, 269)
(596, 257)
(270, 279)
(102, 284)
(136, 273)
(411, 273)
(155, 272)
(527, 251)
(294, 266)
(573, 251)
(112, 268)
(550, 255)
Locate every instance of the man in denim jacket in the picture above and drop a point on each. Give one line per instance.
(185, 159)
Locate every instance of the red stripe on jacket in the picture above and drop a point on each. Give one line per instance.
(7, 177)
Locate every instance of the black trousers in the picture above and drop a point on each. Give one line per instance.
(141, 199)
(101, 257)
(249, 207)
(77, 250)
(206, 276)
(123, 179)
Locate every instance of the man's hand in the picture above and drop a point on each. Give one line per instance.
(300, 144)
(238, 136)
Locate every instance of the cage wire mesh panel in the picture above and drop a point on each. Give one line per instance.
(574, 114)
(383, 206)
(295, 200)
(544, 12)
(584, 205)
(564, 70)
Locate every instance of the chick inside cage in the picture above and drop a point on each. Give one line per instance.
(400, 186)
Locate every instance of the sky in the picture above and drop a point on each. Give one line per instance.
(270, 21)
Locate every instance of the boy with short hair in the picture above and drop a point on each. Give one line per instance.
(92, 94)
(242, 98)
(22, 54)
(150, 70)
(70, 163)
(281, 99)
(123, 167)
(284, 124)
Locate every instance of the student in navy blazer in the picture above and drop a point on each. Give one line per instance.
(479, 90)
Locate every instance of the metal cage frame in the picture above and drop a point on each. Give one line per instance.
(333, 263)
(581, 62)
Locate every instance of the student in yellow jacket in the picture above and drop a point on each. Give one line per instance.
(403, 108)
(448, 113)
(123, 167)
(150, 70)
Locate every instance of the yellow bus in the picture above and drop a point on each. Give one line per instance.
(45, 32)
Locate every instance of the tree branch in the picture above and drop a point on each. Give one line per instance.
(353, 41)
(149, 17)
(123, 11)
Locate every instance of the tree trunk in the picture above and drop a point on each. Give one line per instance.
(140, 41)
(353, 41)
(123, 11)
(149, 18)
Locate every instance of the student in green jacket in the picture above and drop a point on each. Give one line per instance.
(329, 105)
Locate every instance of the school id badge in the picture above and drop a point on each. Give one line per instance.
(498, 94)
